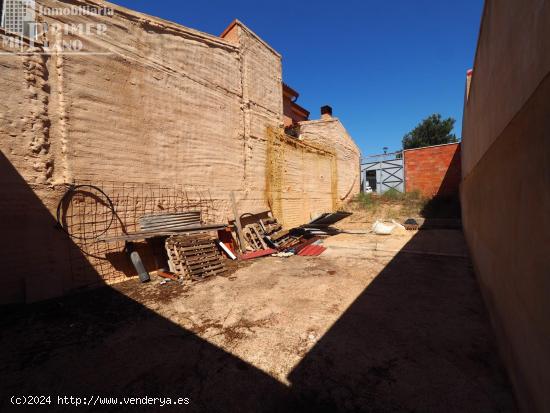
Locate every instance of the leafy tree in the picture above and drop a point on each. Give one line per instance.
(431, 131)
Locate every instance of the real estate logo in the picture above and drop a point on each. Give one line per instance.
(19, 18)
(27, 28)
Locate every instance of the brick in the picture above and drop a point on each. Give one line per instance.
(434, 170)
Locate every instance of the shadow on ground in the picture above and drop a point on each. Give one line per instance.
(416, 340)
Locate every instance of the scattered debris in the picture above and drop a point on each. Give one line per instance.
(411, 224)
(257, 254)
(226, 249)
(323, 231)
(267, 235)
(312, 251)
(329, 218)
(253, 234)
(136, 262)
(304, 244)
(258, 234)
(238, 229)
(226, 238)
(400, 229)
(270, 225)
(283, 254)
(321, 226)
(381, 228)
(287, 241)
(167, 275)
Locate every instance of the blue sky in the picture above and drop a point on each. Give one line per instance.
(382, 65)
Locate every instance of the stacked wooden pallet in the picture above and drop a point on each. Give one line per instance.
(194, 256)
(257, 235)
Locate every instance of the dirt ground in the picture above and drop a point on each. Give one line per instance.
(376, 324)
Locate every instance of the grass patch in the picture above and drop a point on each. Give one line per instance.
(368, 201)
(393, 195)
(396, 204)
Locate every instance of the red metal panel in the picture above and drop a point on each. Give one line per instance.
(312, 251)
(257, 254)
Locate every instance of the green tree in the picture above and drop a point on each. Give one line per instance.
(431, 131)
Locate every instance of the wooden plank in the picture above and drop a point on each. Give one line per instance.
(207, 254)
(205, 263)
(151, 234)
(193, 241)
(197, 247)
(209, 269)
(202, 261)
(199, 243)
(210, 266)
(205, 268)
(191, 237)
(242, 241)
(184, 241)
(193, 255)
(255, 230)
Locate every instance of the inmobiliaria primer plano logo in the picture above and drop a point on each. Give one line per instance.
(30, 28)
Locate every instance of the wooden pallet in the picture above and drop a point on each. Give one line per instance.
(194, 256)
(255, 233)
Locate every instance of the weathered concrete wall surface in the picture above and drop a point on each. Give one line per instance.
(505, 191)
(301, 179)
(160, 116)
(514, 60)
(330, 133)
(433, 170)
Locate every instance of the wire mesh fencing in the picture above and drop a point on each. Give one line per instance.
(96, 210)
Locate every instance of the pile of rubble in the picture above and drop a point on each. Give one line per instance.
(195, 250)
(197, 256)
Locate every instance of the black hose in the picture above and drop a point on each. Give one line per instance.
(70, 191)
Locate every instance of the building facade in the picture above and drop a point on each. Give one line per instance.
(158, 116)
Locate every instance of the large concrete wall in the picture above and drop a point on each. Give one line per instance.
(161, 117)
(433, 170)
(505, 191)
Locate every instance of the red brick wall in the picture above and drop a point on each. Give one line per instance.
(434, 170)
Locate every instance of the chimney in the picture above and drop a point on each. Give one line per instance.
(326, 112)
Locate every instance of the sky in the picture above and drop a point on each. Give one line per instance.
(383, 66)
